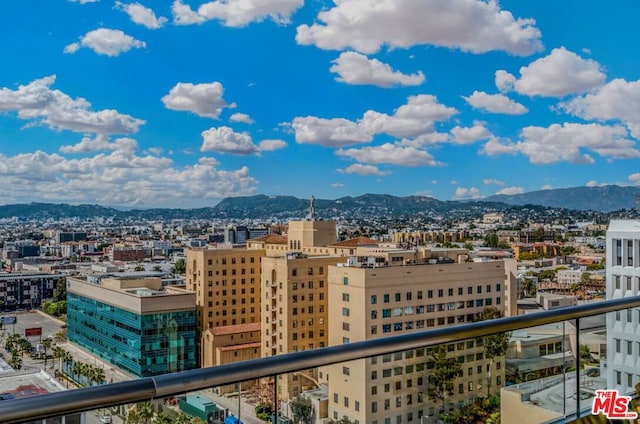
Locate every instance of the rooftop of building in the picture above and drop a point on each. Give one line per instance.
(235, 329)
(355, 242)
(624, 225)
(272, 239)
(239, 347)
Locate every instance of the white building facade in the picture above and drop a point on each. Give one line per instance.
(623, 327)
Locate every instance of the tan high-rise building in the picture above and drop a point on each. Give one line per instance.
(294, 311)
(369, 299)
(226, 282)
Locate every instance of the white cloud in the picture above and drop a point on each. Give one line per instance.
(241, 117)
(592, 183)
(511, 190)
(635, 178)
(109, 42)
(414, 118)
(617, 100)
(84, 1)
(236, 13)
(495, 103)
(119, 178)
(202, 99)
(336, 185)
(271, 145)
(335, 132)
(505, 81)
(568, 142)
(225, 140)
(141, 15)
(462, 135)
(466, 193)
(360, 169)
(468, 25)
(492, 181)
(355, 68)
(560, 73)
(546, 187)
(391, 154)
(184, 15)
(37, 101)
(101, 143)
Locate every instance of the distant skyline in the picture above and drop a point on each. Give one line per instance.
(182, 103)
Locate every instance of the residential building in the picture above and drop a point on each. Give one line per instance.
(294, 311)
(623, 275)
(369, 299)
(26, 289)
(226, 283)
(133, 323)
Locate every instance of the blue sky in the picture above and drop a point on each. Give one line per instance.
(181, 103)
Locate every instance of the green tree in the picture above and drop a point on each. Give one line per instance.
(60, 292)
(16, 361)
(157, 268)
(495, 345)
(343, 420)
(529, 287)
(181, 418)
(58, 353)
(445, 371)
(46, 345)
(180, 267)
(145, 410)
(138, 268)
(491, 240)
(301, 409)
(132, 417)
(161, 418)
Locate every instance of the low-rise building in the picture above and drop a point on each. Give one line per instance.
(135, 324)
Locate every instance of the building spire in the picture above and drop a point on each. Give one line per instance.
(312, 209)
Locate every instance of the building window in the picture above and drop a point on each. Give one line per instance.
(386, 298)
(345, 297)
(374, 299)
(397, 297)
(345, 281)
(345, 312)
(356, 406)
(335, 398)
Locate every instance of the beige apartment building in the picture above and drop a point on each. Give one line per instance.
(369, 299)
(294, 311)
(226, 282)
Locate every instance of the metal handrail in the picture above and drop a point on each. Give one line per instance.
(104, 396)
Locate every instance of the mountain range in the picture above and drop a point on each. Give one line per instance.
(604, 199)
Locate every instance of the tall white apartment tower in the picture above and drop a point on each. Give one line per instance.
(623, 327)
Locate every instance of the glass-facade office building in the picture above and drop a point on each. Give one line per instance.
(141, 344)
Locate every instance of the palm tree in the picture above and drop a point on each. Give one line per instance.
(161, 418)
(99, 377)
(145, 410)
(181, 418)
(132, 417)
(16, 361)
(46, 344)
(58, 353)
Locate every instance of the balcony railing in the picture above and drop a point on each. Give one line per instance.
(168, 385)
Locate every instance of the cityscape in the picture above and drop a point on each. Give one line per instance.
(319, 212)
(98, 302)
